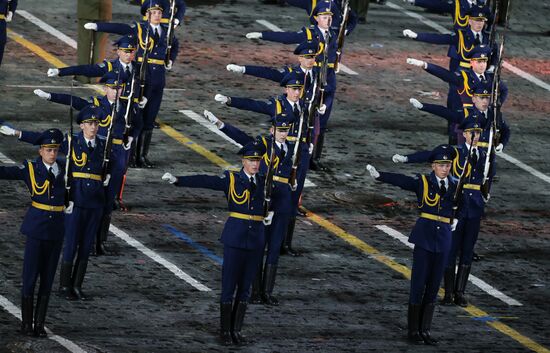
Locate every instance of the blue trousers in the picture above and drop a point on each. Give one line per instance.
(301, 174)
(238, 271)
(41, 258)
(119, 158)
(154, 92)
(3, 38)
(275, 234)
(328, 99)
(427, 272)
(464, 240)
(80, 231)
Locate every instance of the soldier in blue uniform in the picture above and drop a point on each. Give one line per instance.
(152, 39)
(431, 237)
(459, 9)
(43, 225)
(470, 210)
(242, 237)
(322, 19)
(87, 198)
(481, 110)
(306, 53)
(292, 105)
(7, 10)
(337, 13)
(166, 11)
(281, 198)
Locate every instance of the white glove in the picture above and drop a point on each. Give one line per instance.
(499, 148)
(269, 218)
(221, 98)
(169, 65)
(397, 158)
(91, 26)
(310, 151)
(322, 109)
(235, 68)
(9, 17)
(42, 94)
(169, 178)
(453, 226)
(416, 62)
(107, 179)
(410, 34)
(53, 72)
(254, 35)
(143, 102)
(373, 172)
(69, 209)
(416, 103)
(491, 69)
(410, 2)
(8, 131)
(210, 117)
(128, 145)
(176, 23)
(486, 199)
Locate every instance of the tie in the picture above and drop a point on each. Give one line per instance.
(481, 77)
(252, 186)
(483, 116)
(51, 175)
(442, 188)
(308, 79)
(478, 40)
(296, 111)
(474, 156)
(90, 147)
(127, 71)
(156, 35)
(283, 151)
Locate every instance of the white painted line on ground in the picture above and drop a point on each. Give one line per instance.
(274, 28)
(207, 124)
(443, 30)
(46, 27)
(525, 167)
(158, 259)
(15, 311)
(484, 286)
(6, 160)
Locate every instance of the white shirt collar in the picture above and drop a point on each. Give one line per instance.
(250, 176)
(292, 104)
(92, 141)
(157, 27)
(281, 145)
(439, 181)
(54, 166)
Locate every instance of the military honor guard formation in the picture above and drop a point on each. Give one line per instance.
(78, 178)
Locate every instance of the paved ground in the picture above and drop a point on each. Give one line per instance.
(346, 293)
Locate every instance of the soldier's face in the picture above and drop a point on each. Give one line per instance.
(472, 137)
(89, 129)
(280, 134)
(307, 62)
(126, 56)
(251, 166)
(293, 93)
(155, 16)
(476, 24)
(479, 66)
(481, 103)
(324, 21)
(112, 93)
(48, 154)
(441, 170)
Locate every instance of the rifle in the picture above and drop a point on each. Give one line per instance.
(68, 176)
(145, 57)
(92, 48)
(457, 197)
(128, 115)
(342, 33)
(268, 189)
(170, 35)
(495, 12)
(109, 141)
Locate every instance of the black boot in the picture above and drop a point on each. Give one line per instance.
(65, 284)
(40, 315)
(255, 295)
(268, 284)
(448, 284)
(138, 159)
(413, 323)
(286, 247)
(225, 323)
(101, 236)
(315, 161)
(426, 323)
(26, 315)
(237, 323)
(147, 135)
(78, 278)
(461, 280)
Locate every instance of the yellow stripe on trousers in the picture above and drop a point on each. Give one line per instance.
(329, 226)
